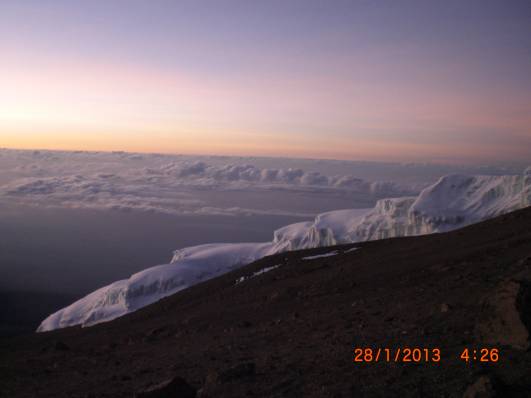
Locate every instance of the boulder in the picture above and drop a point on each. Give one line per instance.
(481, 388)
(173, 388)
(501, 321)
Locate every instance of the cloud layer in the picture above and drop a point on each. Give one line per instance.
(166, 184)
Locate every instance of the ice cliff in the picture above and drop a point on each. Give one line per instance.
(452, 202)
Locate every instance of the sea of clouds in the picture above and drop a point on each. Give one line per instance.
(185, 185)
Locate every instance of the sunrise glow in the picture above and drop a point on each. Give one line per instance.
(83, 77)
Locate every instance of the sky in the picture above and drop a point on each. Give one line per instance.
(367, 80)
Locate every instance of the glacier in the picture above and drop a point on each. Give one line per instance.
(452, 202)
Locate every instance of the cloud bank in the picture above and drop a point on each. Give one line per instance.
(174, 184)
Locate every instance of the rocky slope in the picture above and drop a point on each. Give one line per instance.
(286, 326)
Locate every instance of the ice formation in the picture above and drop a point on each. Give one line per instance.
(452, 202)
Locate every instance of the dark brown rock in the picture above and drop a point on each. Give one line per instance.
(174, 388)
(500, 320)
(242, 370)
(481, 388)
(60, 346)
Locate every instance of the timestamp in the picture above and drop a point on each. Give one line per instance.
(491, 355)
(399, 354)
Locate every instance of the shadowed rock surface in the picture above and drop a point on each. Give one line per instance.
(176, 387)
(290, 332)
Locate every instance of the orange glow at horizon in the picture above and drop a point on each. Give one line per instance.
(433, 82)
(172, 143)
(93, 106)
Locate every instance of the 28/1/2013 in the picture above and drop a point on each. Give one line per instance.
(405, 354)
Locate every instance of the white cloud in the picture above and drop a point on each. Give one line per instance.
(165, 183)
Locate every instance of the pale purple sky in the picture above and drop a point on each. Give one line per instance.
(446, 81)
